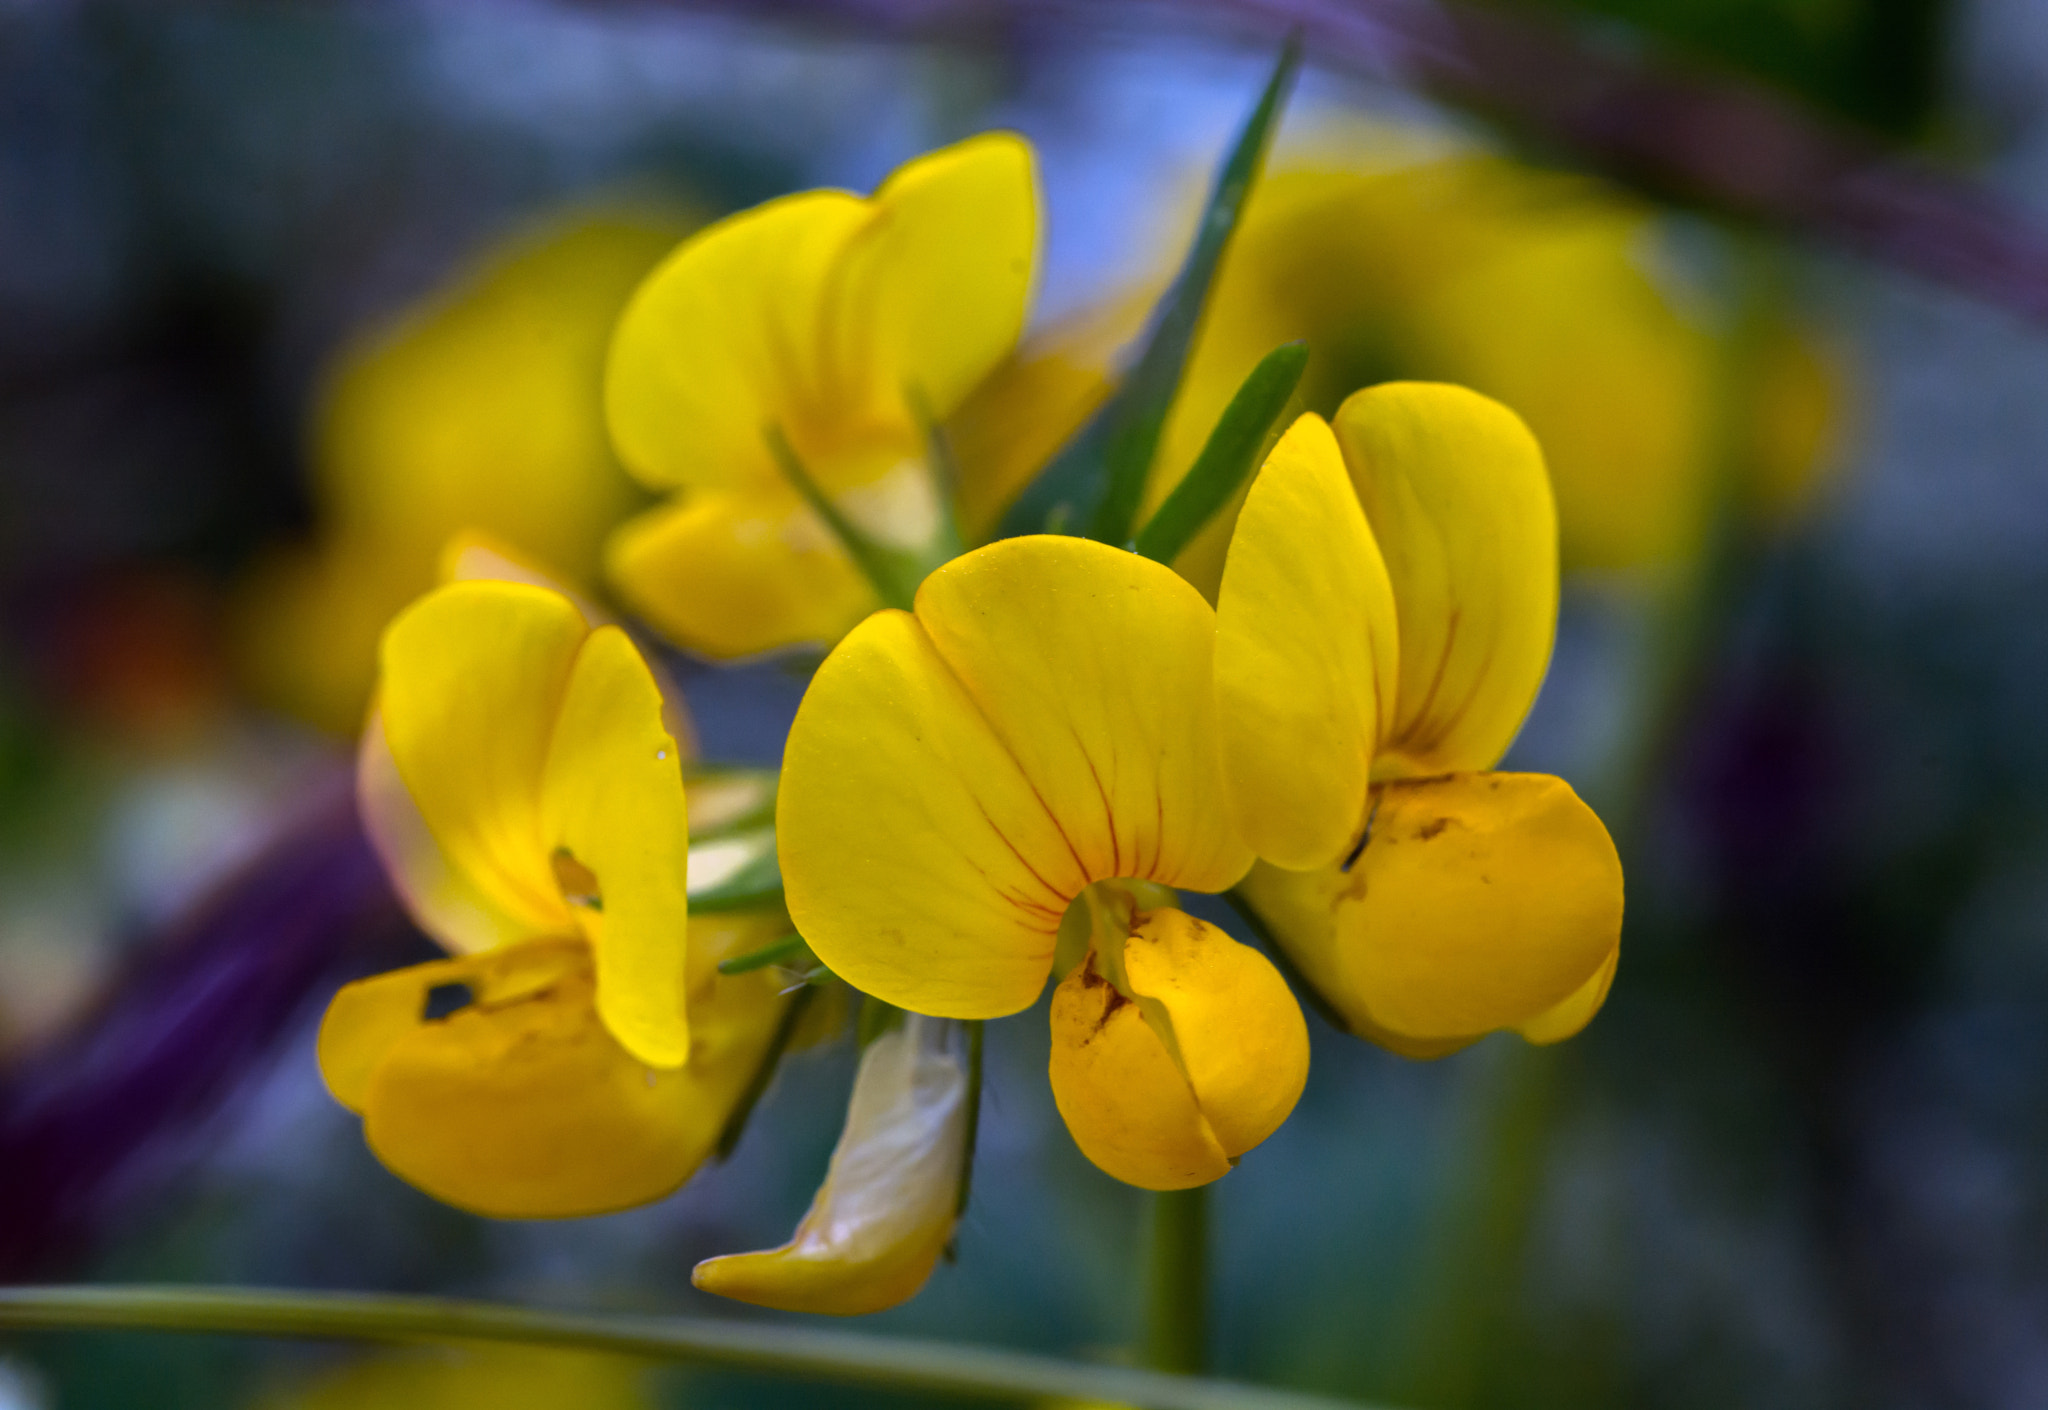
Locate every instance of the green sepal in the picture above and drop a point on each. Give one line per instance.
(1096, 482)
(1234, 449)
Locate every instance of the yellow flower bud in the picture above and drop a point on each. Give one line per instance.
(1194, 1055)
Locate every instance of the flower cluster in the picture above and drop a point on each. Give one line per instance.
(1008, 768)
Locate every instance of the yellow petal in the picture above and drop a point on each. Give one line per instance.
(1095, 668)
(472, 676)
(1125, 1100)
(1565, 1020)
(365, 1019)
(472, 556)
(917, 861)
(1239, 1034)
(1306, 654)
(1481, 901)
(954, 779)
(931, 293)
(1454, 487)
(735, 574)
(722, 340)
(522, 1105)
(890, 1198)
(441, 898)
(480, 1376)
(612, 800)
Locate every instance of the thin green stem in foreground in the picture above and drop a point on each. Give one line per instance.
(1177, 1307)
(765, 1348)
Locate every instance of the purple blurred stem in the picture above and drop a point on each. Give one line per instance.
(198, 1012)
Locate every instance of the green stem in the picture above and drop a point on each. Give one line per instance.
(1177, 1319)
(845, 1358)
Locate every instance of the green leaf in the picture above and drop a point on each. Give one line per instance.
(735, 872)
(1098, 479)
(1231, 453)
(760, 959)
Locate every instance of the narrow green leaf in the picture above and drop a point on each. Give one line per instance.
(1230, 455)
(735, 872)
(1100, 475)
(760, 959)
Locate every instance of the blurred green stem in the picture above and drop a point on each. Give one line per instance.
(777, 1349)
(1177, 1297)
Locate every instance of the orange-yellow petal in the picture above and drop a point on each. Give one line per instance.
(1126, 1103)
(523, 1105)
(1454, 487)
(1237, 1030)
(1307, 654)
(1480, 901)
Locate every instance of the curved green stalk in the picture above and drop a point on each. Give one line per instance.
(766, 1348)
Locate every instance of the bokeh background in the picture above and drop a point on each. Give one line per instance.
(1801, 1159)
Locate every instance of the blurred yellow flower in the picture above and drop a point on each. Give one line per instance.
(522, 784)
(1040, 732)
(480, 408)
(891, 1197)
(844, 326)
(479, 1377)
(1535, 288)
(1384, 622)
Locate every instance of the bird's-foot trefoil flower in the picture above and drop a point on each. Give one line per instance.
(805, 351)
(892, 1196)
(522, 782)
(959, 776)
(1385, 620)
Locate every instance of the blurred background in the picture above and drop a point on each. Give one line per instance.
(271, 275)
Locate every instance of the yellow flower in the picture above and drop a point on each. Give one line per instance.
(958, 777)
(480, 408)
(472, 1377)
(890, 1199)
(1534, 288)
(522, 785)
(1385, 619)
(843, 325)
